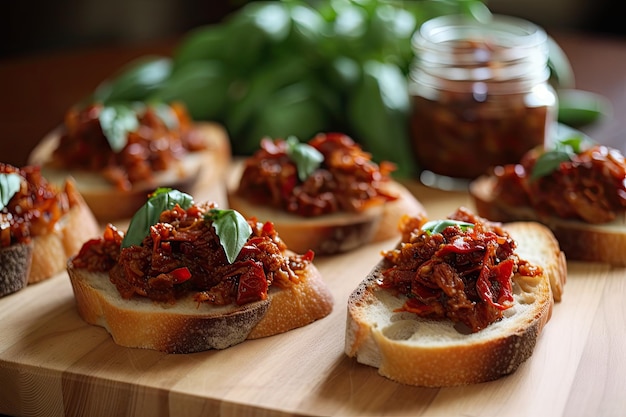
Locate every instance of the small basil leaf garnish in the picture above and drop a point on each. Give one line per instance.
(232, 229)
(568, 143)
(548, 162)
(116, 122)
(438, 226)
(306, 157)
(9, 185)
(166, 114)
(148, 215)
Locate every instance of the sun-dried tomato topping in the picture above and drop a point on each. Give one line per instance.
(151, 148)
(183, 255)
(462, 274)
(589, 187)
(33, 210)
(346, 181)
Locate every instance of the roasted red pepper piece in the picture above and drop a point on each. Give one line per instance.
(252, 284)
(181, 275)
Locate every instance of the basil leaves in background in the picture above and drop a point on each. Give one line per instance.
(300, 67)
(148, 215)
(10, 184)
(306, 157)
(232, 229)
(580, 108)
(135, 81)
(291, 68)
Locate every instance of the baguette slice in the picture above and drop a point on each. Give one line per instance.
(432, 353)
(46, 254)
(579, 240)
(109, 203)
(188, 326)
(337, 232)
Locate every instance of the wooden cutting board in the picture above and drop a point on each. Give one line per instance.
(53, 364)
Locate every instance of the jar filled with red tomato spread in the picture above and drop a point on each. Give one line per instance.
(480, 94)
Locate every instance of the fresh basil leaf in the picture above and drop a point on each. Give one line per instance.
(232, 229)
(438, 226)
(135, 80)
(549, 162)
(580, 108)
(116, 122)
(571, 144)
(148, 215)
(9, 185)
(166, 114)
(306, 157)
(568, 138)
(566, 143)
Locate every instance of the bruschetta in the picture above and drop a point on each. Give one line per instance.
(326, 194)
(459, 301)
(575, 187)
(40, 226)
(189, 277)
(120, 153)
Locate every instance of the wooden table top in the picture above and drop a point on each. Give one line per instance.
(52, 363)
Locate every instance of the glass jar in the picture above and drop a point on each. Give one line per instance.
(480, 94)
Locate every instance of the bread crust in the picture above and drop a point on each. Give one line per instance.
(188, 326)
(579, 240)
(432, 353)
(337, 232)
(15, 261)
(108, 203)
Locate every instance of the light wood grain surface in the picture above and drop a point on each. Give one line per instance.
(53, 364)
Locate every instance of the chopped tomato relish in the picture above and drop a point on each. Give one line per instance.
(182, 255)
(347, 180)
(34, 210)
(591, 186)
(462, 274)
(151, 147)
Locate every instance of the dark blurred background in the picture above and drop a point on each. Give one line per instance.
(53, 53)
(29, 27)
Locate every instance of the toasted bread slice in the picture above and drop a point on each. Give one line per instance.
(432, 353)
(108, 203)
(337, 232)
(579, 240)
(188, 326)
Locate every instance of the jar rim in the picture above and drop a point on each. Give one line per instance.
(502, 30)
